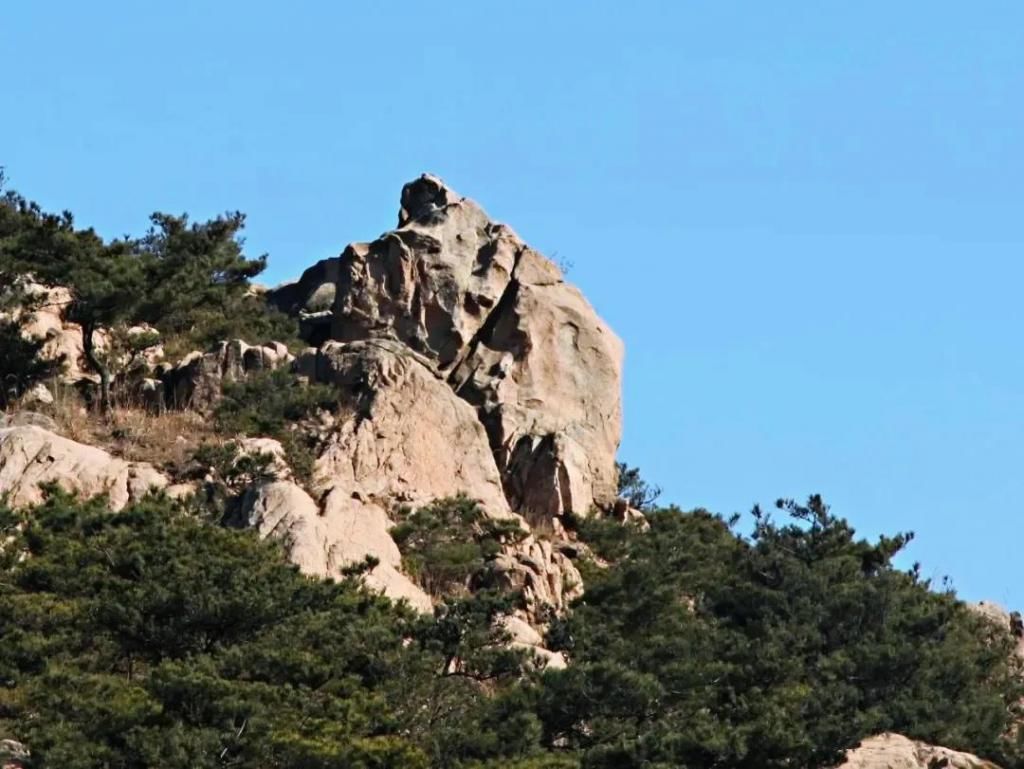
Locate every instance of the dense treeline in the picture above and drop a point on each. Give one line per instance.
(149, 638)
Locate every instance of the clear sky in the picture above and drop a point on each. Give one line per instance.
(805, 219)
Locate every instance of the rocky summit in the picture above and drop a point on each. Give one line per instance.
(466, 299)
(375, 518)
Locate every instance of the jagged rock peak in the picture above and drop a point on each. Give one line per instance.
(497, 321)
(424, 197)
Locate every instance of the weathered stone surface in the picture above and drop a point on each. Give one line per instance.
(403, 436)
(42, 319)
(894, 751)
(431, 283)
(312, 292)
(999, 616)
(13, 754)
(524, 636)
(195, 382)
(31, 456)
(546, 377)
(512, 338)
(323, 540)
(310, 299)
(545, 576)
(278, 467)
(27, 419)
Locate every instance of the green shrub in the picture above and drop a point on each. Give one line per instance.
(267, 403)
(449, 542)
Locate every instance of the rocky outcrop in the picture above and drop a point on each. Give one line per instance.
(894, 751)
(323, 539)
(31, 457)
(498, 323)
(465, 364)
(13, 754)
(310, 299)
(403, 437)
(523, 635)
(1010, 621)
(196, 380)
(544, 575)
(41, 318)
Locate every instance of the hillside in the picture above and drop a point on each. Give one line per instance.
(375, 518)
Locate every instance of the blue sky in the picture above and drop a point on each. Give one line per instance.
(805, 219)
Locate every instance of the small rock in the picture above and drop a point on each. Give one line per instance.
(38, 394)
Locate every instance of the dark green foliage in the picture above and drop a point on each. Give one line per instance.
(700, 649)
(147, 638)
(634, 489)
(106, 280)
(233, 469)
(226, 472)
(269, 404)
(200, 284)
(448, 543)
(191, 281)
(20, 365)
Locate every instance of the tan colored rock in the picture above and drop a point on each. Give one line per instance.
(894, 751)
(1010, 621)
(31, 456)
(43, 320)
(512, 338)
(196, 381)
(403, 436)
(250, 447)
(546, 377)
(39, 394)
(22, 418)
(321, 541)
(431, 283)
(310, 299)
(13, 754)
(547, 578)
(523, 635)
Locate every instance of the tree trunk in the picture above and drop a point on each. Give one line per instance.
(89, 349)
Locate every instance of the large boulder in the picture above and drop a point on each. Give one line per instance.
(31, 457)
(310, 299)
(1007, 620)
(545, 375)
(894, 751)
(510, 337)
(403, 436)
(322, 540)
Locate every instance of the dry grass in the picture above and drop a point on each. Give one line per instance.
(166, 440)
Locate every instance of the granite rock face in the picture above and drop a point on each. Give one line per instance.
(321, 539)
(497, 322)
(894, 751)
(31, 457)
(465, 365)
(404, 436)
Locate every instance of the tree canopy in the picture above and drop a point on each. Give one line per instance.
(191, 281)
(150, 638)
